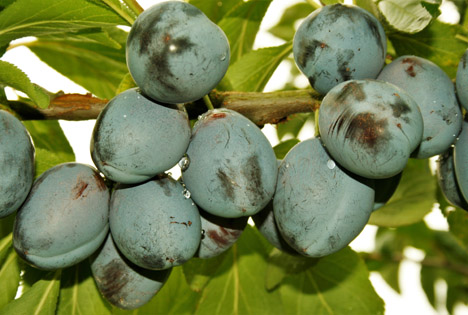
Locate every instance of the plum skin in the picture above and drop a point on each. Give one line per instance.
(175, 53)
(233, 168)
(337, 43)
(370, 127)
(57, 230)
(135, 138)
(17, 157)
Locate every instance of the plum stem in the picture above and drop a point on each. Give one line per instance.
(208, 102)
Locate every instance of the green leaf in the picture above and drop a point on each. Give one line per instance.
(215, 10)
(123, 9)
(126, 83)
(458, 221)
(237, 287)
(432, 6)
(198, 272)
(95, 35)
(44, 17)
(51, 145)
(174, 298)
(293, 125)
(283, 148)
(5, 245)
(412, 200)
(40, 299)
(407, 16)
(329, 2)
(285, 27)
(336, 284)
(428, 282)
(281, 264)
(79, 294)
(11, 76)
(241, 25)
(9, 278)
(253, 71)
(441, 43)
(98, 68)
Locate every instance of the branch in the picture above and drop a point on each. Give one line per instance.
(261, 108)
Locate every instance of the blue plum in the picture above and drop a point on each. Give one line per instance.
(266, 225)
(462, 81)
(370, 127)
(16, 163)
(434, 93)
(135, 138)
(233, 168)
(337, 43)
(447, 180)
(460, 160)
(64, 219)
(318, 206)
(175, 53)
(219, 234)
(154, 224)
(122, 283)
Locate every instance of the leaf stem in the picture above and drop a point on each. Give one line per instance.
(208, 102)
(134, 6)
(118, 8)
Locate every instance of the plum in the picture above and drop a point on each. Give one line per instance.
(154, 224)
(64, 218)
(337, 43)
(16, 163)
(175, 53)
(434, 93)
(135, 138)
(370, 127)
(384, 190)
(233, 168)
(318, 206)
(462, 81)
(447, 180)
(122, 283)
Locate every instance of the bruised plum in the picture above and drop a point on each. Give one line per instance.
(175, 53)
(337, 43)
(64, 219)
(122, 283)
(319, 207)
(154, 224)
(434, 93)
(370, 127)
(16, 163)
(447, 180)
(135, 138)
(233, 168)
(219, 234)
(462, 81)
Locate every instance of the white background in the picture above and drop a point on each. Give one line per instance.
(411, 301)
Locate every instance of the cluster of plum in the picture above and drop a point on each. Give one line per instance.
(314, 202)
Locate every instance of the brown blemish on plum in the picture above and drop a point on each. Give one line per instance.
(351, 89)
(217, 115)
(223, 237)
(99, 181)
(308, 51)
(226, 183)
(114, 278)
(412, 63)
(164, 184)
(79, 189)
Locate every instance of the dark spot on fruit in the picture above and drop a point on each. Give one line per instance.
(412, 63)
(367, 130)
(308, 51)
(373, 27)
(410, 71)
(79, 189)
(253, 174)
(99, 181)
(164, 184)
(191, 10)
(159, 66)
(352, 89)
(218, 238)
(400, 108)
(114, 278)
(338, 11)
(217, 115)
(226, 184)
(428, 138)
(343, 60)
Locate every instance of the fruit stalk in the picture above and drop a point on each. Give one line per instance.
(260, 108)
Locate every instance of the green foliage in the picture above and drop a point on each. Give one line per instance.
(81, 40)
